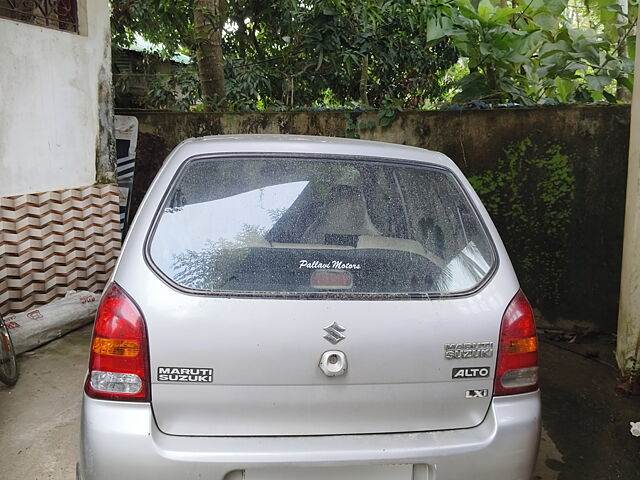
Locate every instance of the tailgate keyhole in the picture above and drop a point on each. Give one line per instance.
(333, 363)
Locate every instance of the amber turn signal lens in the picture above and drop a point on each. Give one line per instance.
(522, 345)
(114, 347)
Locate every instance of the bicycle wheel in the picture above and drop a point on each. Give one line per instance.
(8, 364)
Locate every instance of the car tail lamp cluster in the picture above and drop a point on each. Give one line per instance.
(119, 361)
(517, 366)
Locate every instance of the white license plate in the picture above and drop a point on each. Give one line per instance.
(372, 472)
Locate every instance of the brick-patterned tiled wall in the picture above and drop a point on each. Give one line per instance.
(53, 242)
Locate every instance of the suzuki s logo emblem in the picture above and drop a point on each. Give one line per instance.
(334, 333)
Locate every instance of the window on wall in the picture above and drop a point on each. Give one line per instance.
(57, 14)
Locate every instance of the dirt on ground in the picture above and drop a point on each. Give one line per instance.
(583, 413)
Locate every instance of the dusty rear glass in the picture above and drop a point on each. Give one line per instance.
(287, 225)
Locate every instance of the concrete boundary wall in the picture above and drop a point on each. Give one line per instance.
(594, 139)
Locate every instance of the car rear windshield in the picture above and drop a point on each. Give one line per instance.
(319, 226)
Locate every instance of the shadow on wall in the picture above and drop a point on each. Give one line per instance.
(553, 180)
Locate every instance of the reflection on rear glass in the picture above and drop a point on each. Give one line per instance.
(288, 225)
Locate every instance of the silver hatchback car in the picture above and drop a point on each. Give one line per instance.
(311, 308)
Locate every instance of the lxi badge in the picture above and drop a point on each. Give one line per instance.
(482, 393)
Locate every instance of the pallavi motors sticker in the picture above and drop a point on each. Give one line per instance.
(333, 264)
(458, 351)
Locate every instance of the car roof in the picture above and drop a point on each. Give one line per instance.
(304, 144)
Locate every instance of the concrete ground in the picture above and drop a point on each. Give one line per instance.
(39, 419)
(585, 436)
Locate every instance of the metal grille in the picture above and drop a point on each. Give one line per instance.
(58, 14)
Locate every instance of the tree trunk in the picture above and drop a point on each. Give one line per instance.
(243, 35)
(209, 17)
(364, 80)
(492, 81)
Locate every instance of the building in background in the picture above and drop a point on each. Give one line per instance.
(59, 222)
(143, 78)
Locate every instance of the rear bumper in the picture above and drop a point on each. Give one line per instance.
(121, 440)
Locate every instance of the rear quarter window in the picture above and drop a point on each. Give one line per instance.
(320, 226)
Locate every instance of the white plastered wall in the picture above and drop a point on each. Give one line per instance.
(49, 102)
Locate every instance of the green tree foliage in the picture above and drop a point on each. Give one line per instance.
(393, 54)
(287, 53)
(164, 22)
(299, 53)
(530, 53)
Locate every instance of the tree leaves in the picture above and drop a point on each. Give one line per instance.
(533, 54)
(323, 53)
(474, 87)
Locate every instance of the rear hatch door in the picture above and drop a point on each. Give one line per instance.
(266, 380)
(260, 266)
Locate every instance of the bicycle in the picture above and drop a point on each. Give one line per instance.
(8, 364)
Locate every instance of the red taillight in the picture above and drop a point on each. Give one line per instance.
(517, 367)
(119, 364)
